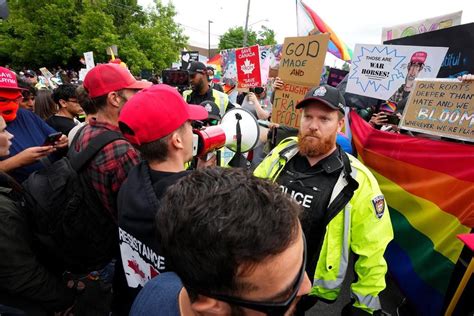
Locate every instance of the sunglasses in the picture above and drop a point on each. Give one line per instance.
(269, 308)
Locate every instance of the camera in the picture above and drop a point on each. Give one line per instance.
(176, 78)
(257, 90)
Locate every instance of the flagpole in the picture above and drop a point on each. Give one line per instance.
(296, 11)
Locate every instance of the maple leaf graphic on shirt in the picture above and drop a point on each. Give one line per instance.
(247, 67)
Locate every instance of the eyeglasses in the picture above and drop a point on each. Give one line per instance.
(269, 308)
(5, 100)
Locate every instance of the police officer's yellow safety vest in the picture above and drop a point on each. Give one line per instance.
(363, 225)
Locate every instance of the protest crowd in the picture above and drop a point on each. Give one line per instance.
(123, 195)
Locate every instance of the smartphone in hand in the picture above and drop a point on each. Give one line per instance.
(393, 119)
(52, 138)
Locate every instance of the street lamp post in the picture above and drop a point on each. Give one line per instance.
(246, 25)
(209, 39)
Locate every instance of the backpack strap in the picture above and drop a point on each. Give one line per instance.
(79, 159)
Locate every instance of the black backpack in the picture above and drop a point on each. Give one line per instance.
(70, 224)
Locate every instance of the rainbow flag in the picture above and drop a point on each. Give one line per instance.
(308, 20)
(429, 188)
(216, 62)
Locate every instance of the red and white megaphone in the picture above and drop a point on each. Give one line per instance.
(238, 131)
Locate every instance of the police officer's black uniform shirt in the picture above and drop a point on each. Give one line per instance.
(311, 186)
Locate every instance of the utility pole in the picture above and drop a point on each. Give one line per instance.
(209, 39)
(246, 24)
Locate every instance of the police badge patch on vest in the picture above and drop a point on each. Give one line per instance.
(379, 205)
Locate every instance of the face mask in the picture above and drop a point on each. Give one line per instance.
(9, 110)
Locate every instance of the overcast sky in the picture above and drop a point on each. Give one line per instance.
(356, 21)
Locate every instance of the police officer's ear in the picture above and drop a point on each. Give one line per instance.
(340, 122)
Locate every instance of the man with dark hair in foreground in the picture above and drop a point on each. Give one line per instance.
(235, 245)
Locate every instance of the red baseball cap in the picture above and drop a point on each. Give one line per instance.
(8, 80)
(418, 57)
(106, 78)
(155, 112)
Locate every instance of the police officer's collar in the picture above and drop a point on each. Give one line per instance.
(329, 164)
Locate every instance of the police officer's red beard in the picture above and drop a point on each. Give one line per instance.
(313, 144)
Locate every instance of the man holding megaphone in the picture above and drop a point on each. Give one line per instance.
(157, 122)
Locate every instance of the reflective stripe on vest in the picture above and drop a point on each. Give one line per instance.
(372, 302)
(219, 99)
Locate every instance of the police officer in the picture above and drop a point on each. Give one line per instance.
(343, 205)
(201, 90)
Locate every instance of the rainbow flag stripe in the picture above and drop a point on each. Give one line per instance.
(336, 46)
(429, 188)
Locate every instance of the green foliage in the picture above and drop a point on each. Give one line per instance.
(57, 32)
(234, 37)
(266, 36)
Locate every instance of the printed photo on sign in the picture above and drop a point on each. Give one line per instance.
(387, 72)
(442, 107)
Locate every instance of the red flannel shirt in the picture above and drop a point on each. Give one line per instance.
(108, 170)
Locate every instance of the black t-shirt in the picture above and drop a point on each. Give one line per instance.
(61, 124)
(161, 180)
(312, 186)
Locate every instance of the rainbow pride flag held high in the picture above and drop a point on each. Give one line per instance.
(429, 188)
(309, 20)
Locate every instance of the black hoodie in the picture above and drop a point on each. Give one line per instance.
(140, 259)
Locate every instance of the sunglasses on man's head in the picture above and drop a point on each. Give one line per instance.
(269, 308)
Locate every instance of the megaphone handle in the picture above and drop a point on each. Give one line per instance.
(218, 158)
(238, 137)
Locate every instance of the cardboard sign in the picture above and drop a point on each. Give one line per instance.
(460, 39)
(187, 58)
(303, 58)
(248, 67)
(300, 69)
(89, 59)
(443, 107)
(423, 26)
(284, 103)
(378, 71)
(336, 76)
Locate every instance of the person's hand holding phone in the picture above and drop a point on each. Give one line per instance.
(33, 154)
(62, 142)
(378, 119)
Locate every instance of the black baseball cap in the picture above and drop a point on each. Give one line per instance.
(197, 67)
(325, 94)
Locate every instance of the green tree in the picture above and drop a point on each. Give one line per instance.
(266, 36)
(54, 32)
(234, 37)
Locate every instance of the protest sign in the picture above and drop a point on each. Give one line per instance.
(443, 107)
(378, 71)
(459, 59)
(335, 76)
(112, 50)
(303, 58)
(82, 73)
(48, 75)
(89, 59)
(284, 103)
(423, 26)
(248, 67)
(187, 58)
(300, 69)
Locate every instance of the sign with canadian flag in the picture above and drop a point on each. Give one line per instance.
(248, 67)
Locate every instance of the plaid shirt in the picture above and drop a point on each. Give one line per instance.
(109, 168)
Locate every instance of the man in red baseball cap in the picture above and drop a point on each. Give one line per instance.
(29, 129)
(416, 64)
(109, 86)
(157, 121)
